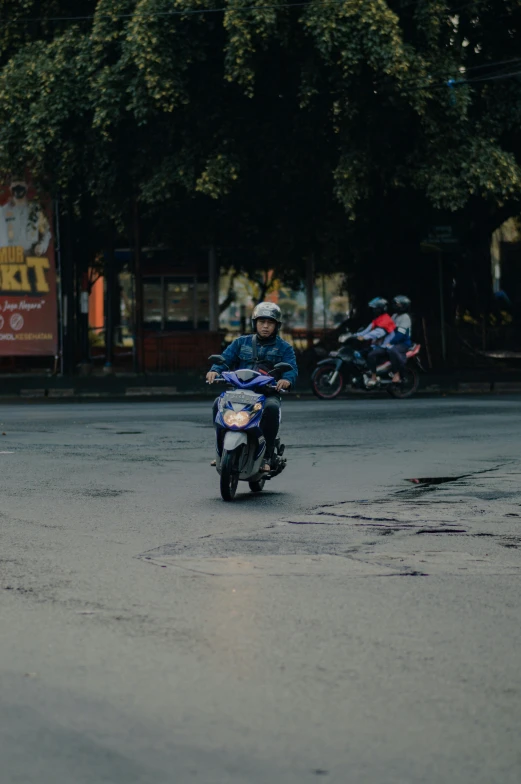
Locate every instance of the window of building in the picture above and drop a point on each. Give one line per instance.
(175, 302)
(153, 301)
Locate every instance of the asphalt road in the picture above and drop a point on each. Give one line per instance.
(345, 625)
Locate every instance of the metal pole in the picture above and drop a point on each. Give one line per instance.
(426, 341)
(58, 253)
(84, 318)
(213, 291)
(324, 311)
(442, 309)
(69, 298)
(109, 306)
(195, 308)
(310, 298)
(138, 299)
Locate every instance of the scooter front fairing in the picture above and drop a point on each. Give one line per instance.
(238, 419)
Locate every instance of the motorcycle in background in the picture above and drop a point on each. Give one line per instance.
(348, 367)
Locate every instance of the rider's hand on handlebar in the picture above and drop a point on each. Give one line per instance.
(360, 337)
(283, 384)
(211, 376)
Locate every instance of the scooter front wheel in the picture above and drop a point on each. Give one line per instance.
(257, 487)
(328, 382)
(229, 474)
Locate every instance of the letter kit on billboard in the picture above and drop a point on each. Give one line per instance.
(28, 308)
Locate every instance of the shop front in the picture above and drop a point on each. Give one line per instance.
(179, 298)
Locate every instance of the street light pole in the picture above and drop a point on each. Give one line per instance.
(310, 298)
(213, 287)
(139, 365)
(442, 308)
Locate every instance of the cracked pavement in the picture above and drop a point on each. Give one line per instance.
(153, 633)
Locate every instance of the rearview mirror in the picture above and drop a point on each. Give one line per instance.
(217, 359)
(282, 367)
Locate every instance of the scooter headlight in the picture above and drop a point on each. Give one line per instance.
(237, 418)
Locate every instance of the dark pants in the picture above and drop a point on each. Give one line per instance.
(269, 423)
(377, 356)
(397, 355)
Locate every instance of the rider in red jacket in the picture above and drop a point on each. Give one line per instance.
(380, 327)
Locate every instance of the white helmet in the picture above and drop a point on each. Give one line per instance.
(267, 310)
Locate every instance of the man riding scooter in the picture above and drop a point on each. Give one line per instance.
(262, 351)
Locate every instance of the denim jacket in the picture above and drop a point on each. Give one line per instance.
(239, 356)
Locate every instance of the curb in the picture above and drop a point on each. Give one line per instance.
(171, 394)
(191, 387)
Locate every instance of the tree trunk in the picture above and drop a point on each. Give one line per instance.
(139, 364)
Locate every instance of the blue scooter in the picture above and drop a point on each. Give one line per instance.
(240, 444)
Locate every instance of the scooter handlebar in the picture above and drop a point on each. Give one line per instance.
(221, 380)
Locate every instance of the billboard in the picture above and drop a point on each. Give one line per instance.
(28, 306)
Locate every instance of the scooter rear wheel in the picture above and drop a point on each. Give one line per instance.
(229, 474)
(322, 386)
(409, 385)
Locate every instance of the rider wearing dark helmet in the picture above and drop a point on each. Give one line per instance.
(380, 328)
(381, 324)
(396, 345)
(261, 351)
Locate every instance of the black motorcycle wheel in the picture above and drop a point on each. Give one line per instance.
(229, 474)
(322, 386)
(409, 385)
(257, 487)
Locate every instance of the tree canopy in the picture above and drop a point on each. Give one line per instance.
(272, 130)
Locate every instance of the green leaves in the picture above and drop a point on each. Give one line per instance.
(249, 28)
(39, 100)
(479, 168)
(218, 176)
(329, 102)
